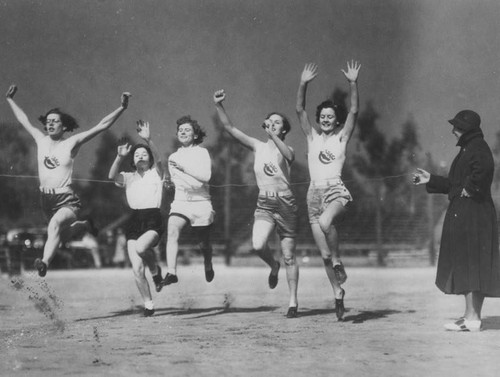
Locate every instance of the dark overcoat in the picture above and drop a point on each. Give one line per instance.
(469, 255)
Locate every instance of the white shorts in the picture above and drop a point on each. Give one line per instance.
(199, 213)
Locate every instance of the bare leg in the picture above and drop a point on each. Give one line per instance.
(139, 271)
(473, 306)
(144, 248)
(292, 269)
(326, 254)
(58, 225)
(332, 215)
(260, 234)
(175, 225)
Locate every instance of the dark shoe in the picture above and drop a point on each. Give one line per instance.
(340, 273)
(273, 279)
(292, 311)
(170, 279)
(339, 306)
(148, 312)
(209, 275)
(158, 280)
(41, 267)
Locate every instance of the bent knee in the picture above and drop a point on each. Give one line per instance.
(290, 261)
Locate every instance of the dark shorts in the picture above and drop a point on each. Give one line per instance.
(143, 220)
(51, 203)
(280, 210)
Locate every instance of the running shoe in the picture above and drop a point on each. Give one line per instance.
(41, 267)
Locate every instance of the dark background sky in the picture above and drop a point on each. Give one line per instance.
(424, 59)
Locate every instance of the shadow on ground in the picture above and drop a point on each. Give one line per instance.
(202, 312)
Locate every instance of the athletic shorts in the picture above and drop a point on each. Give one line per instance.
(197, 213)
(143, 220)
(279, 209)
(51, 203)
(319, 197)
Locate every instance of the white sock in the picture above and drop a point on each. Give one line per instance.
(149, 305)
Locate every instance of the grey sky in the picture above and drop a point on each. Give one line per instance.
(426, 59)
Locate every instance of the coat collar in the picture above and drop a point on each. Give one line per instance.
(468, 136)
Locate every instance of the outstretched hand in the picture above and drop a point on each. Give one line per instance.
(352, 71)
(123, 147)
(125, 99)
(11, 92)
(219, 96)
(421, 177)
(309, 73)
(143, 130)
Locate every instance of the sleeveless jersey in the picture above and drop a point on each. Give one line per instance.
(325, 157)
(55, 164)
(272, 170)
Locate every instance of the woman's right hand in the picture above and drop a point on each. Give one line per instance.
(309, 73)
(219, 96)
(421, 177)
(123, 147)
(11, 92)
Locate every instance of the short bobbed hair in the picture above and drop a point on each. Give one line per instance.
(148, 149)
(198, 132)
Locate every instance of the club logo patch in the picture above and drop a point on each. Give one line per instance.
(270, 169)
(326, 157)
(51, 162)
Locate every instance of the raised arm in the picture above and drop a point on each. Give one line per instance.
(284, 149)
(103, 125)
(21, 115)
(352, 77)
(144, 133)
(243, 138)
(308, 74)
(122, 151)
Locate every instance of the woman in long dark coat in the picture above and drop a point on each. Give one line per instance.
(469, 257)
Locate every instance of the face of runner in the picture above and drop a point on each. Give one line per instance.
(327, 120)
(141, 158)
(275, 123)
(185, 134)
(54, 127)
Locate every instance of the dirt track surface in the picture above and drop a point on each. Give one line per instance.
(89, 323)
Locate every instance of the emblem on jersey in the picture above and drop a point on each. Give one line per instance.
(51, 162)
(270, 169)
(326, 157)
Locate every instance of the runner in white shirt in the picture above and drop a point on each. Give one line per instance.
(327, 196)
(143, 188)
(276, 206)
(56, 156)
(190, 169)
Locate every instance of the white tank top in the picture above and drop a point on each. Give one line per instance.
(325, 157)
(272, 170)
(55, 164)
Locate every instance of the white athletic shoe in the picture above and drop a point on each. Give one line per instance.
(463, 325)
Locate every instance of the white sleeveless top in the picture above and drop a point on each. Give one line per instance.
(272, 170)
(55, 164)
(325, 157)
